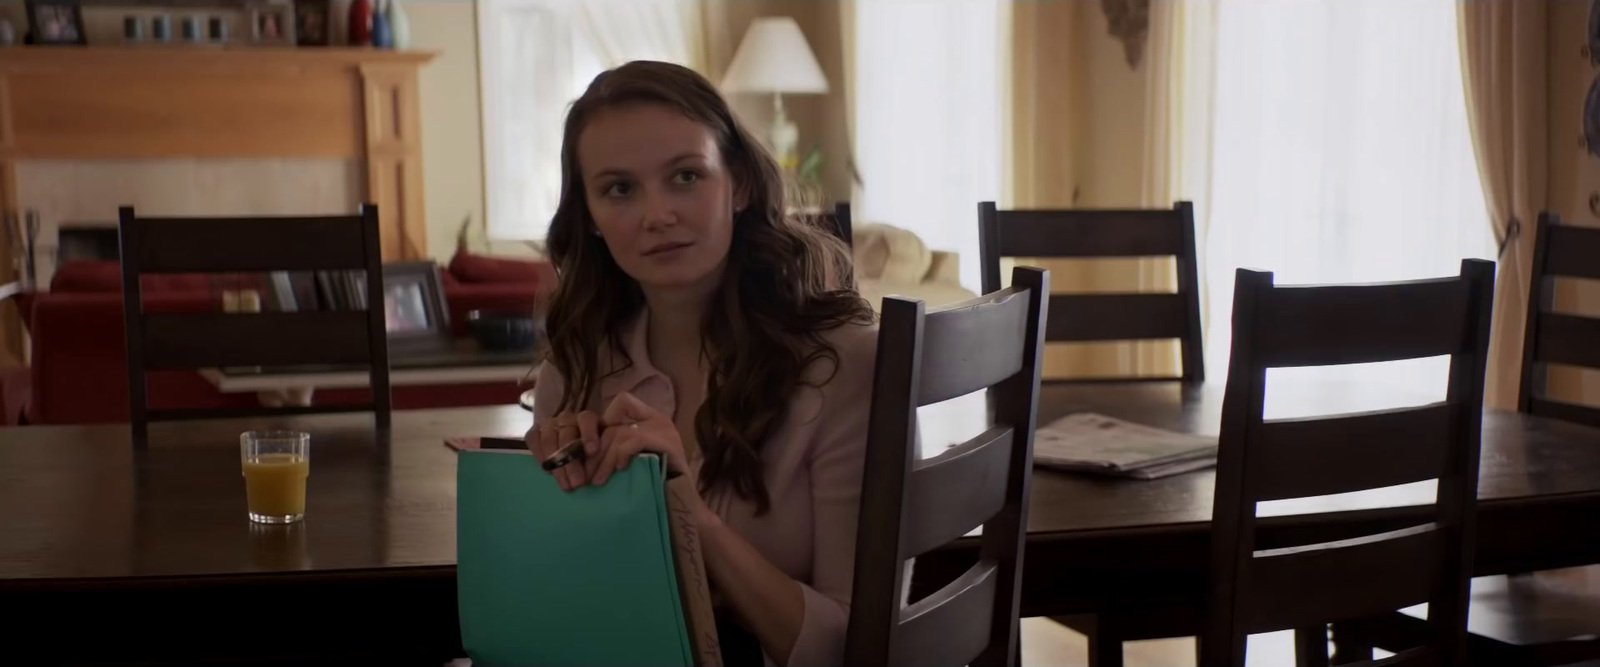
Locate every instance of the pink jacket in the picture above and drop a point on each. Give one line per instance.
(813, 471)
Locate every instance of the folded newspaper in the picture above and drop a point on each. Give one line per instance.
(1096, 443)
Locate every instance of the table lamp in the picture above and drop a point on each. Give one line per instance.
(775, 58)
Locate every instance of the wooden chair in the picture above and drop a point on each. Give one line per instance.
(839, 220)
(1088, 233)
(1561, 251)
(1518, 620)
(209, 340)
(911, 506)
(1268, 587)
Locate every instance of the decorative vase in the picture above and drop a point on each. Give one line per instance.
(360, 22)
(399, 26)
(381, 36)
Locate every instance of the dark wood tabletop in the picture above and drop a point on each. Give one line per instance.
(81, 511)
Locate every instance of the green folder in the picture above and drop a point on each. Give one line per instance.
(547, 577)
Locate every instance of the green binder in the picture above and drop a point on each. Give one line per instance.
(547, 577)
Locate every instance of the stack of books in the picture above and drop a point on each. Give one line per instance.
(1093, 443)
(318, 290)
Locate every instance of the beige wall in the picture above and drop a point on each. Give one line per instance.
(1076, 139)
(452, 138)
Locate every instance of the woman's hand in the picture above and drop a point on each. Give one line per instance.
(567, 427)
(630, 428)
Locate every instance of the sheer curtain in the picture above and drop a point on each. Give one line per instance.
(926, 92)
(535, 57)
(1340, 153)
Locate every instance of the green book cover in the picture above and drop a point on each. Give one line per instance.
(547, 577)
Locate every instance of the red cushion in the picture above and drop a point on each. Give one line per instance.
(106, 276)
(87, 276)
(470, 268)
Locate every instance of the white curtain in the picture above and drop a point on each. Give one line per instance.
(927, 94)
(1340, 152)
(535, 58)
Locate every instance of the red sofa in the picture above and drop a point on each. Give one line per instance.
(78, 372)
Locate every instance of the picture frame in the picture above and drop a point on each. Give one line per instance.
(56, 22)
(312, 23)
(414, 308)
(272, 24)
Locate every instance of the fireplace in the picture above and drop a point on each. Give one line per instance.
(92, 241)
(205, 132)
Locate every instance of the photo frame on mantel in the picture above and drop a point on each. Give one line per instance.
(312, 22)
(272, 24)
(415, 315)
(55, 22)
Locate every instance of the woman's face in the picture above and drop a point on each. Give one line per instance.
(660, 195)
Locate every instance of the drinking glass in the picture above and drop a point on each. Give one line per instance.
(276, 464)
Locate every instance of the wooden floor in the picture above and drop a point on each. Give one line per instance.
(1046, 643)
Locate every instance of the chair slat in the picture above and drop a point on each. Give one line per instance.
(943, 628)
(1351, 324)
(198, 245)
(1089, 233)
(1297, 458)
(999, 320)
(1420, 656)
(1573, 252)
(1091, 317)
(187, 414)
(1310, 585)
(203, 340)
(949, 495)
(1572, 412)
(1569, 339)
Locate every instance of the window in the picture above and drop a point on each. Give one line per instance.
(927, 127)
(535, 58)
(1340, 153)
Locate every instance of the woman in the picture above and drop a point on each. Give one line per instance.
(697, 320)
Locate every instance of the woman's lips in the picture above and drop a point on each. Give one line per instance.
(664, 248)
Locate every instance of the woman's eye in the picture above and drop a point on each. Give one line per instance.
(617, 189)
(686, 177)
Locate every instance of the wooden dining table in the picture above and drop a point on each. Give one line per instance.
(113, 554)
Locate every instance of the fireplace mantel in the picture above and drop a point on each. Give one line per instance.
(144, 103)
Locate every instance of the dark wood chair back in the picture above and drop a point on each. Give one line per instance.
(1267, 587)
(910, 506)
(1563, 251)
(1104, 233)
(161, 341)
(838, 222)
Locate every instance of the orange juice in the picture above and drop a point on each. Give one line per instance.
(275, 487)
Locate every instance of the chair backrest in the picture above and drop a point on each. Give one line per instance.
(1106, 233)
(911, 506)
(839, 220)
(1559, 338)
(217, 339)
(1261, 588)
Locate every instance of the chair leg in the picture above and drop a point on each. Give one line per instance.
(1311, 646)
(1105, 646)
(1349, 646)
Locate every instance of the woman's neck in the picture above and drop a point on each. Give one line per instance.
(674, 335)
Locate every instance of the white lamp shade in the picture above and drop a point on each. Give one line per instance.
(774, 58)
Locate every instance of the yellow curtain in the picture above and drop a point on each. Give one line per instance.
(1177, 140)
(1504, 66)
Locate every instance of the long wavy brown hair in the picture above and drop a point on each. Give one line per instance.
(787, 282)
